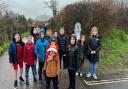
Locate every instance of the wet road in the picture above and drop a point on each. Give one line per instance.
(6, 80)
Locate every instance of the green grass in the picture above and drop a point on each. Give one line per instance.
(114, 52)
(24, 34)
(4, 47)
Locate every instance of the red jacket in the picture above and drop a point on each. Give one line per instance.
(29, 55)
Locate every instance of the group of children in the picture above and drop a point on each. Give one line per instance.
(49, 51)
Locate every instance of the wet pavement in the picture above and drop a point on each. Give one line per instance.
(6, 80)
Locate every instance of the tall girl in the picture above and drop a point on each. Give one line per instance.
(94, 45)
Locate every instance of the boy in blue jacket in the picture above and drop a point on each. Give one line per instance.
(40, 48)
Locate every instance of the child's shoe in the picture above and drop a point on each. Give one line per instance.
(27, 82)
(40, 83)
(81, 74)
(77, 73)
(15, 84)
(21, 80)
(88, 75)
(35, 80)
(95, 77)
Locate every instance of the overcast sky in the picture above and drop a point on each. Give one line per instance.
(34, 8)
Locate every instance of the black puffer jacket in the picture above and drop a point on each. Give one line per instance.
(72, 55)
(62, 42)
(94, 44)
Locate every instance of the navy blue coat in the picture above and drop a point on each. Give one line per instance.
(94, 44)
(12, 51)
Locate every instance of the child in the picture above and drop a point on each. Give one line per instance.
(53, 42)
(49, 34)
(83, 50)
(40, 49)
(36, 34)
(94, 45)
(62, 42)
(52, 67)
(72, 55)
(16, 57)
(56, 35)
(29, 59)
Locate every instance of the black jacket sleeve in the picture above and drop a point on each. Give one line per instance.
(78, 57)
(31, 32)
(99, 45)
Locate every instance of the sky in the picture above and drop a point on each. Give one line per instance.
(34, 8)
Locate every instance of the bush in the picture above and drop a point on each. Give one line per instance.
(114, 52)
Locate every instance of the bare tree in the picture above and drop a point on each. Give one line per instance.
(3, 9)
(52, 4)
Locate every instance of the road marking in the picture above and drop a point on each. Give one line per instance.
(100, 82)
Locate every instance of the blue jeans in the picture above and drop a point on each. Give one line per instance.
(92, 68)
(27, 71)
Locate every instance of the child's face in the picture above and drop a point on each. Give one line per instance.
(94, 32)
(53, 43)
(29, 39)
(55, 34)
(36, 30)
(72, 41)
(83, 39)
(17, 37)
(49, 32)
(61, 31)
(52, 53)
(42, 34)
(33, 24)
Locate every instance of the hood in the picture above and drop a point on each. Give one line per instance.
(42, 30)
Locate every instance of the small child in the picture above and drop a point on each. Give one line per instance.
(29, 59)
(53, 42)
(83, 50)
(16, 57)
(52, 67)
(94, 45)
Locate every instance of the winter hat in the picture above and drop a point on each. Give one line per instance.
(53, 38)
(52, 48)
(42, 30)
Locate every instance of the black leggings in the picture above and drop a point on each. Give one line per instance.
(54, 80)
(72, 78)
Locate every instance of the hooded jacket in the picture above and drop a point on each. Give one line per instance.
(29, 55)
(40, 47)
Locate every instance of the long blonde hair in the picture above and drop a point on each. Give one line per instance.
(94, 29)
